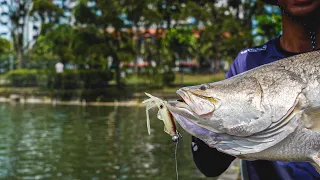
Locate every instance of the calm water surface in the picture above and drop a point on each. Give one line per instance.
(75, 142)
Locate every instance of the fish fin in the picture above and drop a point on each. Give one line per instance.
(311, 118)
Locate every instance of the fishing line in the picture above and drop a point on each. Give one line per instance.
(176, 160)
(176, 139)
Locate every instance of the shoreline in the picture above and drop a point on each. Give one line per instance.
(130, 102)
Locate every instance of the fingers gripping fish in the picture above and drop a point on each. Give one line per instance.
(163, 115)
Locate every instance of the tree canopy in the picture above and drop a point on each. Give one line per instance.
(90, 33)
(5, 45)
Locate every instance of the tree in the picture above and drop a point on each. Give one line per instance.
(5, 45)
(105, 18)
(57, 42)
(220, 31)
(268, 24)
(19, 14)
(134, 12)
(90, 48)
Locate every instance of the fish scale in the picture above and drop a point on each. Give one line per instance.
(298, 146)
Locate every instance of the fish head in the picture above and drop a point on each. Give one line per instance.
(199, 99)
(230, 98)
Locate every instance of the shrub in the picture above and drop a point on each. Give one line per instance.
(87, 79)
(168, 78)
(69, 79)
(23, 77)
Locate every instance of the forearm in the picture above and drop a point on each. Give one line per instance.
(209, 161)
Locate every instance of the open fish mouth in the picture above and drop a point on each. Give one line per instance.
(179, 101)
(184, 100)
(179, 105)
(195, 102)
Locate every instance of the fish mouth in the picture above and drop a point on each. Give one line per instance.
(183, 96)
(194, 102)
(181, 103)
(178, 104)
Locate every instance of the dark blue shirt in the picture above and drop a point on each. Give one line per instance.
(248, 59)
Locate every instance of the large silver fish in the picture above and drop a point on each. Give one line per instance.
(264, 113)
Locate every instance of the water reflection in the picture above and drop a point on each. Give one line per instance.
(76, 142)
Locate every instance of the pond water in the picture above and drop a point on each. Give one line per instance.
(77, 142)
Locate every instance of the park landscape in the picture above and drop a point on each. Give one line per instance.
(82, 119)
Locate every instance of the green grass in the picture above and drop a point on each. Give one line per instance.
(196, 79)
(140, 85)
(188, 79)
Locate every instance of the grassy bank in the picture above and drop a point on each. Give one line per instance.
(180, 81)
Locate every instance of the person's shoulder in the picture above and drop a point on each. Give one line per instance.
(249, 58)
(258, 50)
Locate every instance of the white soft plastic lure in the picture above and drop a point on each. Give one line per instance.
(168, 120)
(163, 114)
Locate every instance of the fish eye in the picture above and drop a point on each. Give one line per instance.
(161, 106)
(204, 87)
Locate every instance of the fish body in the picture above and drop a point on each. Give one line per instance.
(258, 114)
(301, 145)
